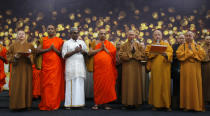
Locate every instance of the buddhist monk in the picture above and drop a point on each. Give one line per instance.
(105, 73)
(190, 54)
(52, 73)
(160, 82)
(21, 59)
(205, 71)
(175, 72)
(131, 53)
(3, 60)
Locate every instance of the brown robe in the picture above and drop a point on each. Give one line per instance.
(206, 75)
(131, 73)
(21, 76)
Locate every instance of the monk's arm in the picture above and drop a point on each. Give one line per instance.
(57, 51)
(140, 53)
(200, 53)
(42, 51)
(169, 53)
(183, 53)
(93, 52)
(10, 54)
(123, 53)
(149, 54)
(106, 50)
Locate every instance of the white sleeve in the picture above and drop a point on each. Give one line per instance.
(84, 46)
(64, 49)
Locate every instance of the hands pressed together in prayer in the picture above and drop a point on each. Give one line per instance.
(133, 49)
(52, 47)
(79, 49)
(103, 47)
(189, 46)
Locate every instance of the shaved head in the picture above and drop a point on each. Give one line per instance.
(181, 39)
(51, 30)
(131, 35)
(207, 40)
(157, 35)
(190, 33)
(131, 32)
(21, 35)
(189, 36)
(102, 34)
(207, 37)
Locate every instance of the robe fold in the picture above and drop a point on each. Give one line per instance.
(36, 82)
(52, 76)
(105, 74)
(160, 82)
(191, 96)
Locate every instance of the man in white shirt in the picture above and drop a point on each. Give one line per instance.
(73, 52)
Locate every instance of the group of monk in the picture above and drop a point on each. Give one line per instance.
(57, 70)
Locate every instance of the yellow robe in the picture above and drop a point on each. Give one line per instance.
(160, 82)
(191, 96)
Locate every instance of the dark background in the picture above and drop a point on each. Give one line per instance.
(123, 15)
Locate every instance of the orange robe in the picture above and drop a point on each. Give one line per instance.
(36, 82)
(105, 74)
(52, 76)
(3, 52)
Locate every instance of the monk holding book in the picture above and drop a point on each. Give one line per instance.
(160, 64)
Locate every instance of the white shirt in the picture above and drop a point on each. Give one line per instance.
(75, 64)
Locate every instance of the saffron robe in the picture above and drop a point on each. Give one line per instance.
(105, 74)
(191, 95)
(52, 76)
(3, 52)
(36, 82)
(160, 82)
